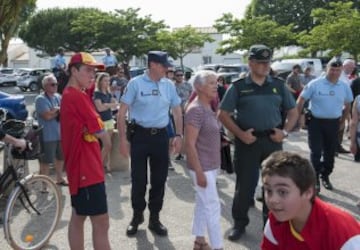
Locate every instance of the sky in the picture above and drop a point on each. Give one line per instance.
(197, 13)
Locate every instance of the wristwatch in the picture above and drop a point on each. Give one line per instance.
(179, 135)
(285, 133)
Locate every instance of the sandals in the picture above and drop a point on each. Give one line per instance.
(201, 245)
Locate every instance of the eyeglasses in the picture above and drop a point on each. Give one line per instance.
(179, 75)
(53, 84)
(170, 71)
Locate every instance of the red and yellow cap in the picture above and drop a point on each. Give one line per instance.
(87, 59)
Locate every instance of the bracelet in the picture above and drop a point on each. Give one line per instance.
(179, 135)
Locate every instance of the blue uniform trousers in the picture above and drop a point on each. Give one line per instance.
(149, 146)
(323, 140)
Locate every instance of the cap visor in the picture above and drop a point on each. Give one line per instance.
(99, 66)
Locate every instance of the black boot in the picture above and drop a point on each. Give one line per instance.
(137, 219)
(326, 182)
(156, 226)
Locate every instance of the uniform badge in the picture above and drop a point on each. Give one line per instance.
(274, 90)
(265, 54)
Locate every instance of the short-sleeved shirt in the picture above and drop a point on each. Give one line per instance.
(59, 62)
(149, 102)
(120, 83)
(184, 91)
(326, 99)
(294, 81)
(257, 106)
(109, 61)
(208, 140)
(327, 227)
(79, 122)
(51, 128)
(105, 115)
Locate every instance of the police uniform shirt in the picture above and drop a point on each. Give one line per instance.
(109, 60)
(256, 106)
(59, 62)
(149, 102)
(327, 99)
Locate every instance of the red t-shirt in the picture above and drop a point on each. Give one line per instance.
(79, 122)
(327, 228)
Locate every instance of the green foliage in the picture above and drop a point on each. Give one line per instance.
(12, 14)
(182, 41)
(285, 12)
(49, 29)
(337, 29)
(257, 30)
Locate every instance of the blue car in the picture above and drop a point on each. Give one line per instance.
(15, 106)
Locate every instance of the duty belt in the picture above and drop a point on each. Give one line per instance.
(151, 131)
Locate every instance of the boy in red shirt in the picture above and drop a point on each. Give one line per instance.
(298, 219)
(81, 127)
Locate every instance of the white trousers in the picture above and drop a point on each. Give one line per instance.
(207, 210)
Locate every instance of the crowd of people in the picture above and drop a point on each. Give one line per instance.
(160, 114)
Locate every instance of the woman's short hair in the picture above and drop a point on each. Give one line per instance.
(47, 78)
(201, 77)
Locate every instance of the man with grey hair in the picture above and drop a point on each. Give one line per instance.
(47, 106)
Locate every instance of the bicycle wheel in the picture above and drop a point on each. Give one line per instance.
(30, 227)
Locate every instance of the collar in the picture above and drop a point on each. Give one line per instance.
(268, 80)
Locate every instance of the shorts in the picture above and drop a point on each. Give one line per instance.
(51, 150)
(109, 124)
(90, 201)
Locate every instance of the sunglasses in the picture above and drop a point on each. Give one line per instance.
(179, 75)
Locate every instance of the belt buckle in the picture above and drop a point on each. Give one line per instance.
(153, 131)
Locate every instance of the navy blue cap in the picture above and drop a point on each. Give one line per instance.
(159, 57)
(260, 52)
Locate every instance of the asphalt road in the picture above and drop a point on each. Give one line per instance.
(179, 203)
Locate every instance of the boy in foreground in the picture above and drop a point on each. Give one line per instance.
(297, 218)
(81, 130)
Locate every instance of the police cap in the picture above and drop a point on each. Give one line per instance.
(260, 52)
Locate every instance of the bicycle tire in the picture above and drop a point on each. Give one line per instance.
(25, 228)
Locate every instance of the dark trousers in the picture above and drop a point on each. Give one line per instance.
(247, 162)
(152, 148)
(323, 140)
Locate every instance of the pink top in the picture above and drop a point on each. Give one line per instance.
(208, 141)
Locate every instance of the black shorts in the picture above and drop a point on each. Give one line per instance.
(90, 200)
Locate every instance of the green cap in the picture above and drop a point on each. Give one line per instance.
(260, 53)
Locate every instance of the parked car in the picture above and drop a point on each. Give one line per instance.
(229, 76)
(238, 68)
(8, 75)
(29, 78)
(284, 67)
(213, 67)
(135, 71)
(15, 106)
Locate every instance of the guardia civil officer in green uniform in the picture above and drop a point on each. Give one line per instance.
(251, 110)
(148, 99)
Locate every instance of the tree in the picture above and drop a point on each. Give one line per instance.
(246, 32)
(49, 29)
(123, 32)
(337, 30)
(12, 14)
(182, 41)
(285, 12)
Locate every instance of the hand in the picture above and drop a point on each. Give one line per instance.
(278, 135)
(201, 179)
(176, 144)
(20, 144)
(247, 137)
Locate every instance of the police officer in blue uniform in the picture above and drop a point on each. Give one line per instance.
(251, 110)
(148, 99)
(329, 105)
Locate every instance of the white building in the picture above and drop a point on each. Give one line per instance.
(21, 56)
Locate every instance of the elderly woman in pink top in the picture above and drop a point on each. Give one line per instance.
(202, 138)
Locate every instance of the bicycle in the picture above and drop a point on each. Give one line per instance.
(33, 208)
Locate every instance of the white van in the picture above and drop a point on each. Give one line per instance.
(286, 65)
